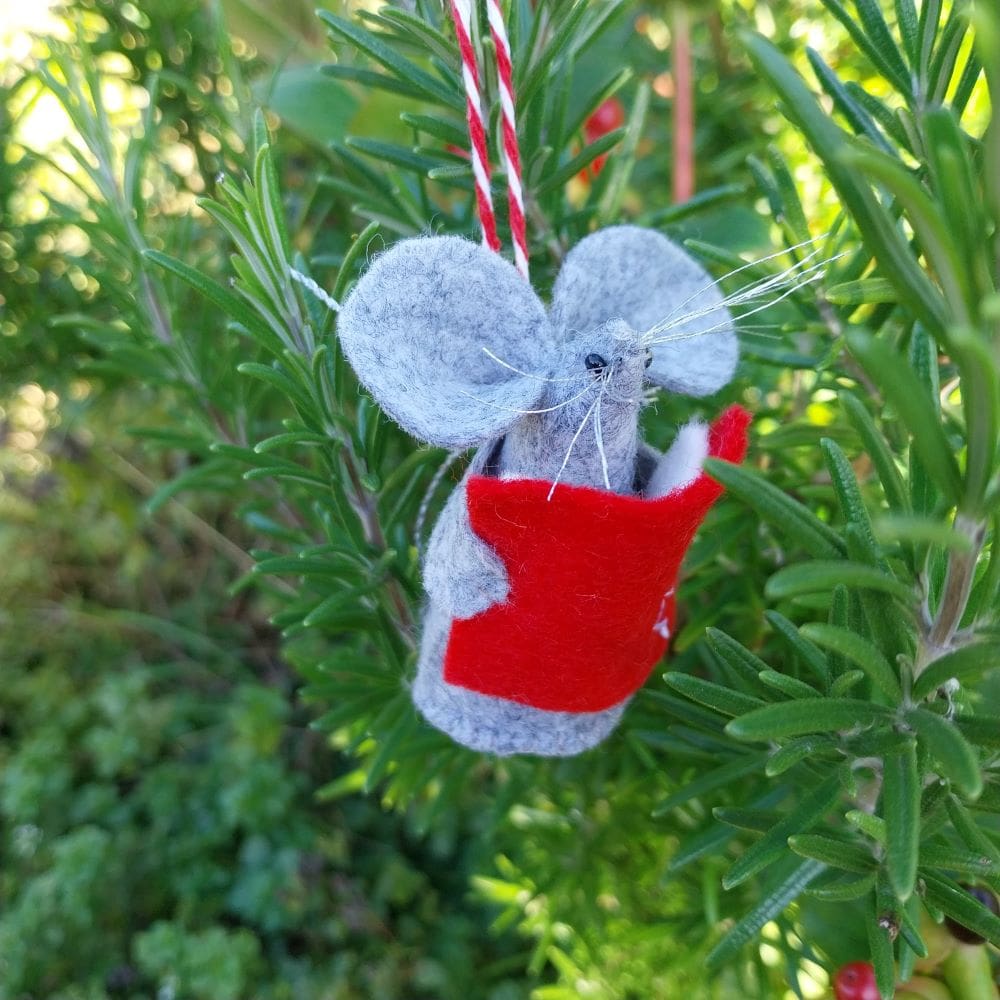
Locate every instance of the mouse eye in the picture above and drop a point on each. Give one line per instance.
(595, 363)
(649, 358)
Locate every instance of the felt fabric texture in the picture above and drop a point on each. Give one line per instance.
(456, 347)
(588, 419)
(638, 275)
(592, 580)
(646, 461)
(496, 725)
(681, 464)
(415, 327)
(462, 574)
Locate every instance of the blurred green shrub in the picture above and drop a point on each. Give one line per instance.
(160, 832)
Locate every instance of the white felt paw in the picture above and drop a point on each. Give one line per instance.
(681, 465)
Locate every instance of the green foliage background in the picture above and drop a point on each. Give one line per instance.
(212, 782)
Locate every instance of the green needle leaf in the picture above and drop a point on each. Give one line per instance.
(966, 665)
(810, 655)
(841, 889)
(904, 390)
(793, 879)
(873, 38)
(740, 660)
(880, 230)
(379, 50)
(863, 292)
(963, 862)
(795, 750)
(813, 807)
(790, 686)
(859, 651)
(981, 405)
(833, 853)
(955, 902)
(231, 304)
(879, 941)
(953, 753)
(901, 812)
(798, 718)
(711, 695)
(722, 776)
(777, 508)
(878, 451)
(820, 576)
(845, 483)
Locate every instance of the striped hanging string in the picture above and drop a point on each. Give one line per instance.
(511, 150)
(461, 11)
(462, 15)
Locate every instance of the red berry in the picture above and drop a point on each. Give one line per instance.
(855, 981)
(607, 116)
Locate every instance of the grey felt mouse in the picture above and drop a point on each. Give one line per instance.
(458, 349)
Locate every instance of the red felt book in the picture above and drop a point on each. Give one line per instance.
(592, 574)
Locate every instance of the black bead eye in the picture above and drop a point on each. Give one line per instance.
(595, 362)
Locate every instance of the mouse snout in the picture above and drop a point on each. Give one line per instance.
(628, 373)
(626, 369)
(613, 350)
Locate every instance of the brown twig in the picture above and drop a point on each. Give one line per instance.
(683, 138)
(958, 583)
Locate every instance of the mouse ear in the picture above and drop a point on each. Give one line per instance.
(417, 329)
(639, 276)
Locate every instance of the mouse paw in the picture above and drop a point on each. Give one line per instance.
(681, 465)
(474, 592)
(469, 583)
(462, 573)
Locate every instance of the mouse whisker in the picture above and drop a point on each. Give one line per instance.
(751, 294)
(599, 438)
(747, 293)
(538, 378)
(738, 270)
(694, 334)
(725, 324)
(782, 279)
(514, 409)
(569, 450)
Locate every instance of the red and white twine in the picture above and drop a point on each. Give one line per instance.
(462, 15)
(511, 150)
(461, 11)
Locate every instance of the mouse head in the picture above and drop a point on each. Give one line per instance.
(457, 348)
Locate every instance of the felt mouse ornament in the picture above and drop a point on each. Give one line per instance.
(550, 573)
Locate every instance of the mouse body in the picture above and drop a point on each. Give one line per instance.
(457, 348)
